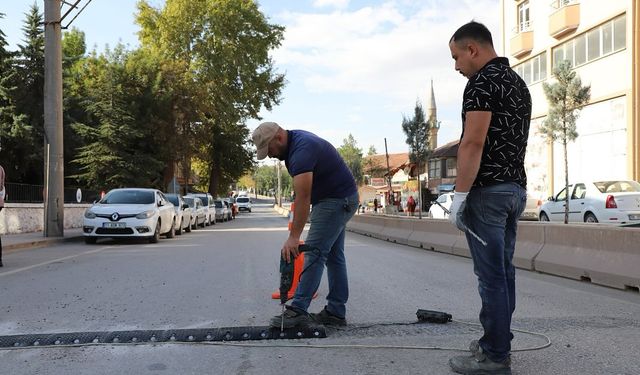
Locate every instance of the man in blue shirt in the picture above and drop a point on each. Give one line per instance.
(322, 179)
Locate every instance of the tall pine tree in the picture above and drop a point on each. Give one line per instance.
(29, 98)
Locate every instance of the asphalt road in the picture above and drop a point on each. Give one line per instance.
(224, 275)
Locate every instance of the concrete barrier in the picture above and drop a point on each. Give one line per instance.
(603, 255)
(397, 230)
(368, 225)
(529, 243)
(434, 234)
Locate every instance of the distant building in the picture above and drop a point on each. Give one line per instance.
(601, 41)
(443, 168)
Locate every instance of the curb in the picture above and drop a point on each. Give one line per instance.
(39, 243)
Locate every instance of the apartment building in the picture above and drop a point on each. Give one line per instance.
(600, 39)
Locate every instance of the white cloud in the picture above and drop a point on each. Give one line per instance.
(341, 4)
(391, 49)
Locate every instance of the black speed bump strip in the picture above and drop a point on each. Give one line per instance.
(160, 336)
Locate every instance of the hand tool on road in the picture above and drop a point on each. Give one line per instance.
(286, 280)
(483, 242)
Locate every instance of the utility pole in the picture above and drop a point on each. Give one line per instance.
(390, 203)
(54, 170)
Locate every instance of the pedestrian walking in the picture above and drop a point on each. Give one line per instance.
(375, 205)
(411, 205)
(322, 179)
(490, 189)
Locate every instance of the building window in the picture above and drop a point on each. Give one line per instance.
(523, 17)
(533, 70)
(451, 167)
(601, 41)
(434, 168)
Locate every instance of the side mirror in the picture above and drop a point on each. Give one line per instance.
(159, 203)
(185, 206)
(550, 199)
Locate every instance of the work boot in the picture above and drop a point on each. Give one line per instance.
(326, 318)
(292, 318)
(478, 363)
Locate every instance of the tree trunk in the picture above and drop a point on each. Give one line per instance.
(566, 179)
(214, 174)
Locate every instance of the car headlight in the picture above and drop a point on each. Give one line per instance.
(89, 214)
(145, 215)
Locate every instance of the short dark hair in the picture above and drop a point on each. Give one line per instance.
(474, 31)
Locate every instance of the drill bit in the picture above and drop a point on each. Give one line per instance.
(282, 320)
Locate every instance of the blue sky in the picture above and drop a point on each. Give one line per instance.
(352, 66)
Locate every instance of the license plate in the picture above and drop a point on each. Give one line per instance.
(634, 217)
(114, 225)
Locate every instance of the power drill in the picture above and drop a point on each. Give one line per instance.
(286, 279)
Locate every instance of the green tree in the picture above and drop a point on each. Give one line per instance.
(225, 44)
(29, 100)
(73, 55)
(118, 151)
(417, 131)
(14, 131)
(372, 151)
(566, 97)
(352, 156)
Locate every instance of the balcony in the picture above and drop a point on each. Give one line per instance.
(564, 20)
(521, 44)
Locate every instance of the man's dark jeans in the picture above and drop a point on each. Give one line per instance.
(492, 212)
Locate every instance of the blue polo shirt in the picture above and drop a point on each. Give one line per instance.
(309, 153)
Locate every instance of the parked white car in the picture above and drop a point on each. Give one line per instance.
(615, 202)
(244, 203)
(130, 212)
(198, 215)
(222, 212)
(183, 213)
(436, 211)
(208, 206)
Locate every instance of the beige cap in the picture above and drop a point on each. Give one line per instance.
(263, 134)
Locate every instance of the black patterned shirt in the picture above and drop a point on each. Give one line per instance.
(499, 89)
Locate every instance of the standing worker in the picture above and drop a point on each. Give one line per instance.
(2, 194)
(490, 190)
(320, 178)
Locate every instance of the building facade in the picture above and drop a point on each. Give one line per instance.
(600, 40)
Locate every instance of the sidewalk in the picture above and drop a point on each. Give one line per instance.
(11, 242)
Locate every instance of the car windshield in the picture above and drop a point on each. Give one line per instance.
(189, 201)
(618, 186)
(218, 204)
(242, 200)
(173, 199)
(129, 197)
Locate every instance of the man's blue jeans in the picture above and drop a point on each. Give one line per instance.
(329, 218)
(492, 212)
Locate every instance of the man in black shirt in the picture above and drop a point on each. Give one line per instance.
(490, 190)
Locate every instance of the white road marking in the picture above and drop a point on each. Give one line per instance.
(55, 261)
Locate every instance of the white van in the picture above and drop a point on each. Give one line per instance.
(244, 203)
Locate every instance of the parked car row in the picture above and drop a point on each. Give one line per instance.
(437, 209)
(150, 213)
(608, 202)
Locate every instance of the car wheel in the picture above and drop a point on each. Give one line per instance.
(188, 228)
(544, 217)
(156, 234)
(249, 210)
(590, 218)
(90, 240)
(172, 231)
(179, 230)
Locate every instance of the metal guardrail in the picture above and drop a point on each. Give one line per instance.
(26, 193)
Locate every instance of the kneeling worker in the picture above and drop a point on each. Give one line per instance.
(320, 178)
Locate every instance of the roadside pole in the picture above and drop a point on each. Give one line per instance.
(54, 170)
